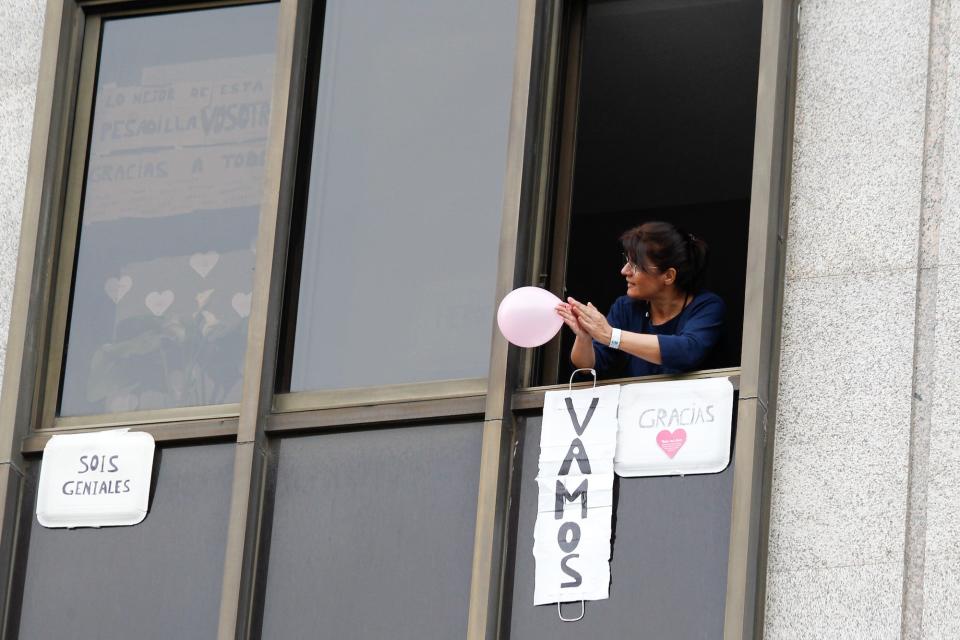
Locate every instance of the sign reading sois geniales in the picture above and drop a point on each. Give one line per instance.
(95, 479)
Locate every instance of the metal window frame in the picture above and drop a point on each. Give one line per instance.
(61, 276)
(74, 178)
(262, 415)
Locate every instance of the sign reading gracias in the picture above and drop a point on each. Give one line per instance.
(95, 479)
(676, 427)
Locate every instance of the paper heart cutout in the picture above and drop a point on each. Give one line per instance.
(203, 297)
(159, 302)
(203, 263)
(116, 288)
(241, 303)
(671, 442)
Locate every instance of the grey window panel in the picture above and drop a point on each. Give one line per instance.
(158, 579)
(669, 562)
(172, 195)
(372, 534)
(405, 193)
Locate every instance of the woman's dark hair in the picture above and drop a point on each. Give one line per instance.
(666, 246)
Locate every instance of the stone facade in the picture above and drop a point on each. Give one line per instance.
(862, 500)
(21, 30)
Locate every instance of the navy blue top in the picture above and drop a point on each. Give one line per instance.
(685, 340)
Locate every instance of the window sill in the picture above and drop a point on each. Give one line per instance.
(181, 431)
(531, 398)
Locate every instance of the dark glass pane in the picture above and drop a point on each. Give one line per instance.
(158, 579)
(665, 131)
(169, 221)
(668, 567)
(373, 534)
(405, 194)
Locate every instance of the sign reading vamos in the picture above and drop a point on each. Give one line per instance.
(572, 533)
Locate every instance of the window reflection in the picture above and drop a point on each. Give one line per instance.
(400, 242)
(168, 226)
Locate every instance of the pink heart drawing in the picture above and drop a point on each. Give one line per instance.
(671, 442)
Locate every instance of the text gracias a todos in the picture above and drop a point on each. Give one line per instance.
(210, 120)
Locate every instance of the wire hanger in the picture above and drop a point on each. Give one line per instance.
(583, 610)
(576, 371)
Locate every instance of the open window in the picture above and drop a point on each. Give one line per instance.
(653, 113)
(658, 116)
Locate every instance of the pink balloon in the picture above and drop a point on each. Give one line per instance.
(527, 316)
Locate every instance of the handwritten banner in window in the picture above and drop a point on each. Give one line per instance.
(572, 532)
(186, 137)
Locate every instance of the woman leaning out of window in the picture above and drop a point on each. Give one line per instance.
(664, 324)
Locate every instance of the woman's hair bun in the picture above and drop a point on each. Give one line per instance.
(666, 246)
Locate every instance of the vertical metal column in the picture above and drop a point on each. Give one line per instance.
(746, 564)
(251, 460)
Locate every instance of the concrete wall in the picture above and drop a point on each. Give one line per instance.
(864, 507)
(21, 27)
(865, 531)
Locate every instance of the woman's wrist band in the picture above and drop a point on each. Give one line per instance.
(615, 339)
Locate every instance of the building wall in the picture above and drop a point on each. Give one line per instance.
(862, 503)
(21, 30)
(864, 510)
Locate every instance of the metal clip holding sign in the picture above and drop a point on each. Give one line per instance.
(583, 604)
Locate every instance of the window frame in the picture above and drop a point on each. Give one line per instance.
(755, 378)
(460, 390)
(91, 16)
(262, 415)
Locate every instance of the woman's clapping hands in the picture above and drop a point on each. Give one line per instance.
(585, 320)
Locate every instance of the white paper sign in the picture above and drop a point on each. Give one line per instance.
(95, 479)
(575, 499)
(672, 428)
(185, 137)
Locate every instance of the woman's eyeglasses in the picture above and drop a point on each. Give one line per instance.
(636, 268)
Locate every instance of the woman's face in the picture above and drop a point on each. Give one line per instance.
(643, 283)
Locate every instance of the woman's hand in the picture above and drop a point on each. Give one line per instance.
(590, 319)
(581, 355)
(565, 311)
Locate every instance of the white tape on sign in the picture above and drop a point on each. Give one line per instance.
(575, 504)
